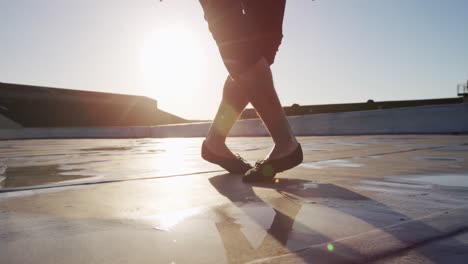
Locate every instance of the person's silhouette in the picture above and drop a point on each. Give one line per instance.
(248, 34)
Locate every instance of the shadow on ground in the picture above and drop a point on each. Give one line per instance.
(314, 245)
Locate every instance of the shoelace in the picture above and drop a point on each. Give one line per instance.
(263, 168)
(259, 164)
(241, 159)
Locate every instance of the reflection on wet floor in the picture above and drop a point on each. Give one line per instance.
(36, 162)
(36, 175)
(392, 187)
(166, 221)
(331, 163)
(256, 226)
(255, 234)
(347, 186)
(450, 180)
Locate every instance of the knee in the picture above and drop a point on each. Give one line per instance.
(255, 73)
(231, 88)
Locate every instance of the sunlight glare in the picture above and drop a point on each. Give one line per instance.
(173, 62)
(176, 153)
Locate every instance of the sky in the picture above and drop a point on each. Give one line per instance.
(333, 51)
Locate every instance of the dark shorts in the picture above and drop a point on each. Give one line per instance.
(245, 30)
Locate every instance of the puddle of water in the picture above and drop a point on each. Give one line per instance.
(450, 180)
(341, 163)
(310, 185)
(36, 175)
(439, 159)
(39, 162)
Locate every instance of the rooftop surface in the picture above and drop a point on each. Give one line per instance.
(355, 199)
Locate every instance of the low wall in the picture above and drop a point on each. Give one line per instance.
(444, 119)
(8, 123)
(440, 119)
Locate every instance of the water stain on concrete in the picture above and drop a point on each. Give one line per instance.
(393, 187)
(341, 163)
(456, 148)
(391, 139)
(108, 149)
(457, 159)
(448, 180)
(242, 222)
(37, 175)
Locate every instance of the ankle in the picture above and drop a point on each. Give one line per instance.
(215, 141)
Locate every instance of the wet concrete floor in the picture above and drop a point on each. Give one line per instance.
(355, 199)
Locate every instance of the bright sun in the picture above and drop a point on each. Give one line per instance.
(172, 62)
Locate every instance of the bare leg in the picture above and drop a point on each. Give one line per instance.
(233, 103)
(257, 82)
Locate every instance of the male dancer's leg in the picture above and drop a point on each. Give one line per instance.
(257, 84)
(232, 104)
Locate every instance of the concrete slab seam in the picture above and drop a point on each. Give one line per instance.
(43, 187)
